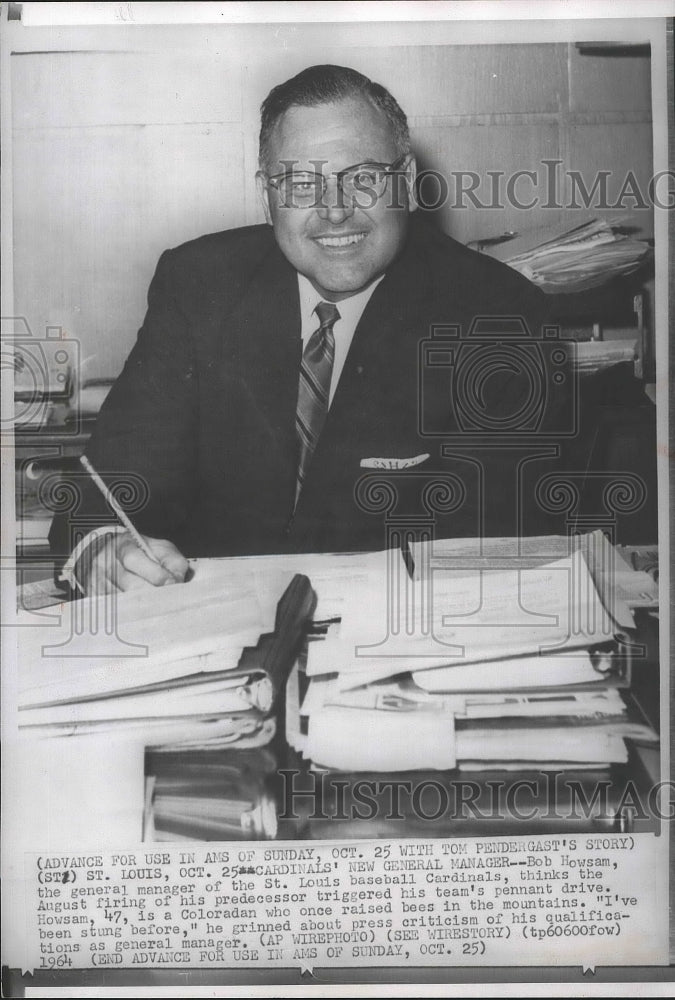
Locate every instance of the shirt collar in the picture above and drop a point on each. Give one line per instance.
(350, 309)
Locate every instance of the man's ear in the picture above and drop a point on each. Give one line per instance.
(264, 195)
(410, 177)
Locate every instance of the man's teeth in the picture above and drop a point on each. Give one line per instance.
(340, 241)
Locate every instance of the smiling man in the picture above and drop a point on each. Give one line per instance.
(342, 241)
(277, 364)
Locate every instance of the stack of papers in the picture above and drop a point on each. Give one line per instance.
(498, 653)
(563, 259)
(196, 664)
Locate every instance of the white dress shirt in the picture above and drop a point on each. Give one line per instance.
(350, 310)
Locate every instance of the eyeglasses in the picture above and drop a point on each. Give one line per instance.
(362, 184)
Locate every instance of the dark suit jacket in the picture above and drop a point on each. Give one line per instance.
(204, 411)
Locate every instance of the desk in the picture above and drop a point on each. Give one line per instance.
(487, 803)
(335, 805)
(332, 805)
(444, 804)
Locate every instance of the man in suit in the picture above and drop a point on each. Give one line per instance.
(251, 435)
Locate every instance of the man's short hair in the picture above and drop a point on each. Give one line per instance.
(325, 85)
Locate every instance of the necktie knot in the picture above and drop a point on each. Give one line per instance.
(328, 314)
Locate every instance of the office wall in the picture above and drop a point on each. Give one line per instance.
(120, 154)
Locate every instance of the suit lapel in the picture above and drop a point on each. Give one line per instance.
(376, 399)
(393, 311)
(384, 342)
(267, 322)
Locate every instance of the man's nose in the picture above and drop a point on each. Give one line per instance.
(335, 206)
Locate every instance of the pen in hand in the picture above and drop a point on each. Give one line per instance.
(122, 517)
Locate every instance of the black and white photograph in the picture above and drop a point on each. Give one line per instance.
(335, 512)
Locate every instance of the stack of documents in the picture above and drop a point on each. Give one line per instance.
(499, 653)
(563, 259)
(197, 664)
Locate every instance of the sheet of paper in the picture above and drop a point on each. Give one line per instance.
(519, 672)
(490, 553)
(481, 615)
(103, 644)
(322, 690)
(606, 702)
(461, 619)
(583, 744)
(217, 697)
(258, 735)
(620, 587)
(404, 693)
(331, 575)
(294, 737)
(157, 732)
(362, 740)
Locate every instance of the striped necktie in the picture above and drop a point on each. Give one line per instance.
(314, 387)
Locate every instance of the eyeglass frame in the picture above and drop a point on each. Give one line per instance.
(390, 169)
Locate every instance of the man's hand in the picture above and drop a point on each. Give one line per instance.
(115, 562)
